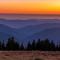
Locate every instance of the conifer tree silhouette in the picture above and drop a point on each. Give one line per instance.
(3, 45)
(0, 45)
(11, 44)
(29, 46)
(33, 45)
(38, 45)
(22, 47)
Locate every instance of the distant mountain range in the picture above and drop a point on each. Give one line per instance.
(23, 31)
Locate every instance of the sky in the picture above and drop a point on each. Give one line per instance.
(30, 6)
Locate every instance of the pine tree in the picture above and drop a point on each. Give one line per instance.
(0, 45)
(57, 46)
(3, 45)
(46, 45)
(17, 47)
(29, 46)
(33, 45)
(52, 46)
(38, 45)
(22, 47)
(11, 44)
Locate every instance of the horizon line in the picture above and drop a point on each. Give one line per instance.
(30, 14)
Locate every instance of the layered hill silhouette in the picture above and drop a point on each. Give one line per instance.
(30, 31)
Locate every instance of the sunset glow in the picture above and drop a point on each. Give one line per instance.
(30, 6)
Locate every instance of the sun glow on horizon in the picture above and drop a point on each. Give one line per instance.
(30, 6)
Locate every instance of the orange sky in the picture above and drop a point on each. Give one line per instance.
(30, 6)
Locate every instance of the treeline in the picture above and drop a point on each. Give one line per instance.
(41, 45)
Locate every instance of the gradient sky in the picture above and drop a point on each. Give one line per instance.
(30, 6)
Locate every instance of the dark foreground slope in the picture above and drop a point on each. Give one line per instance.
(29, 55)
